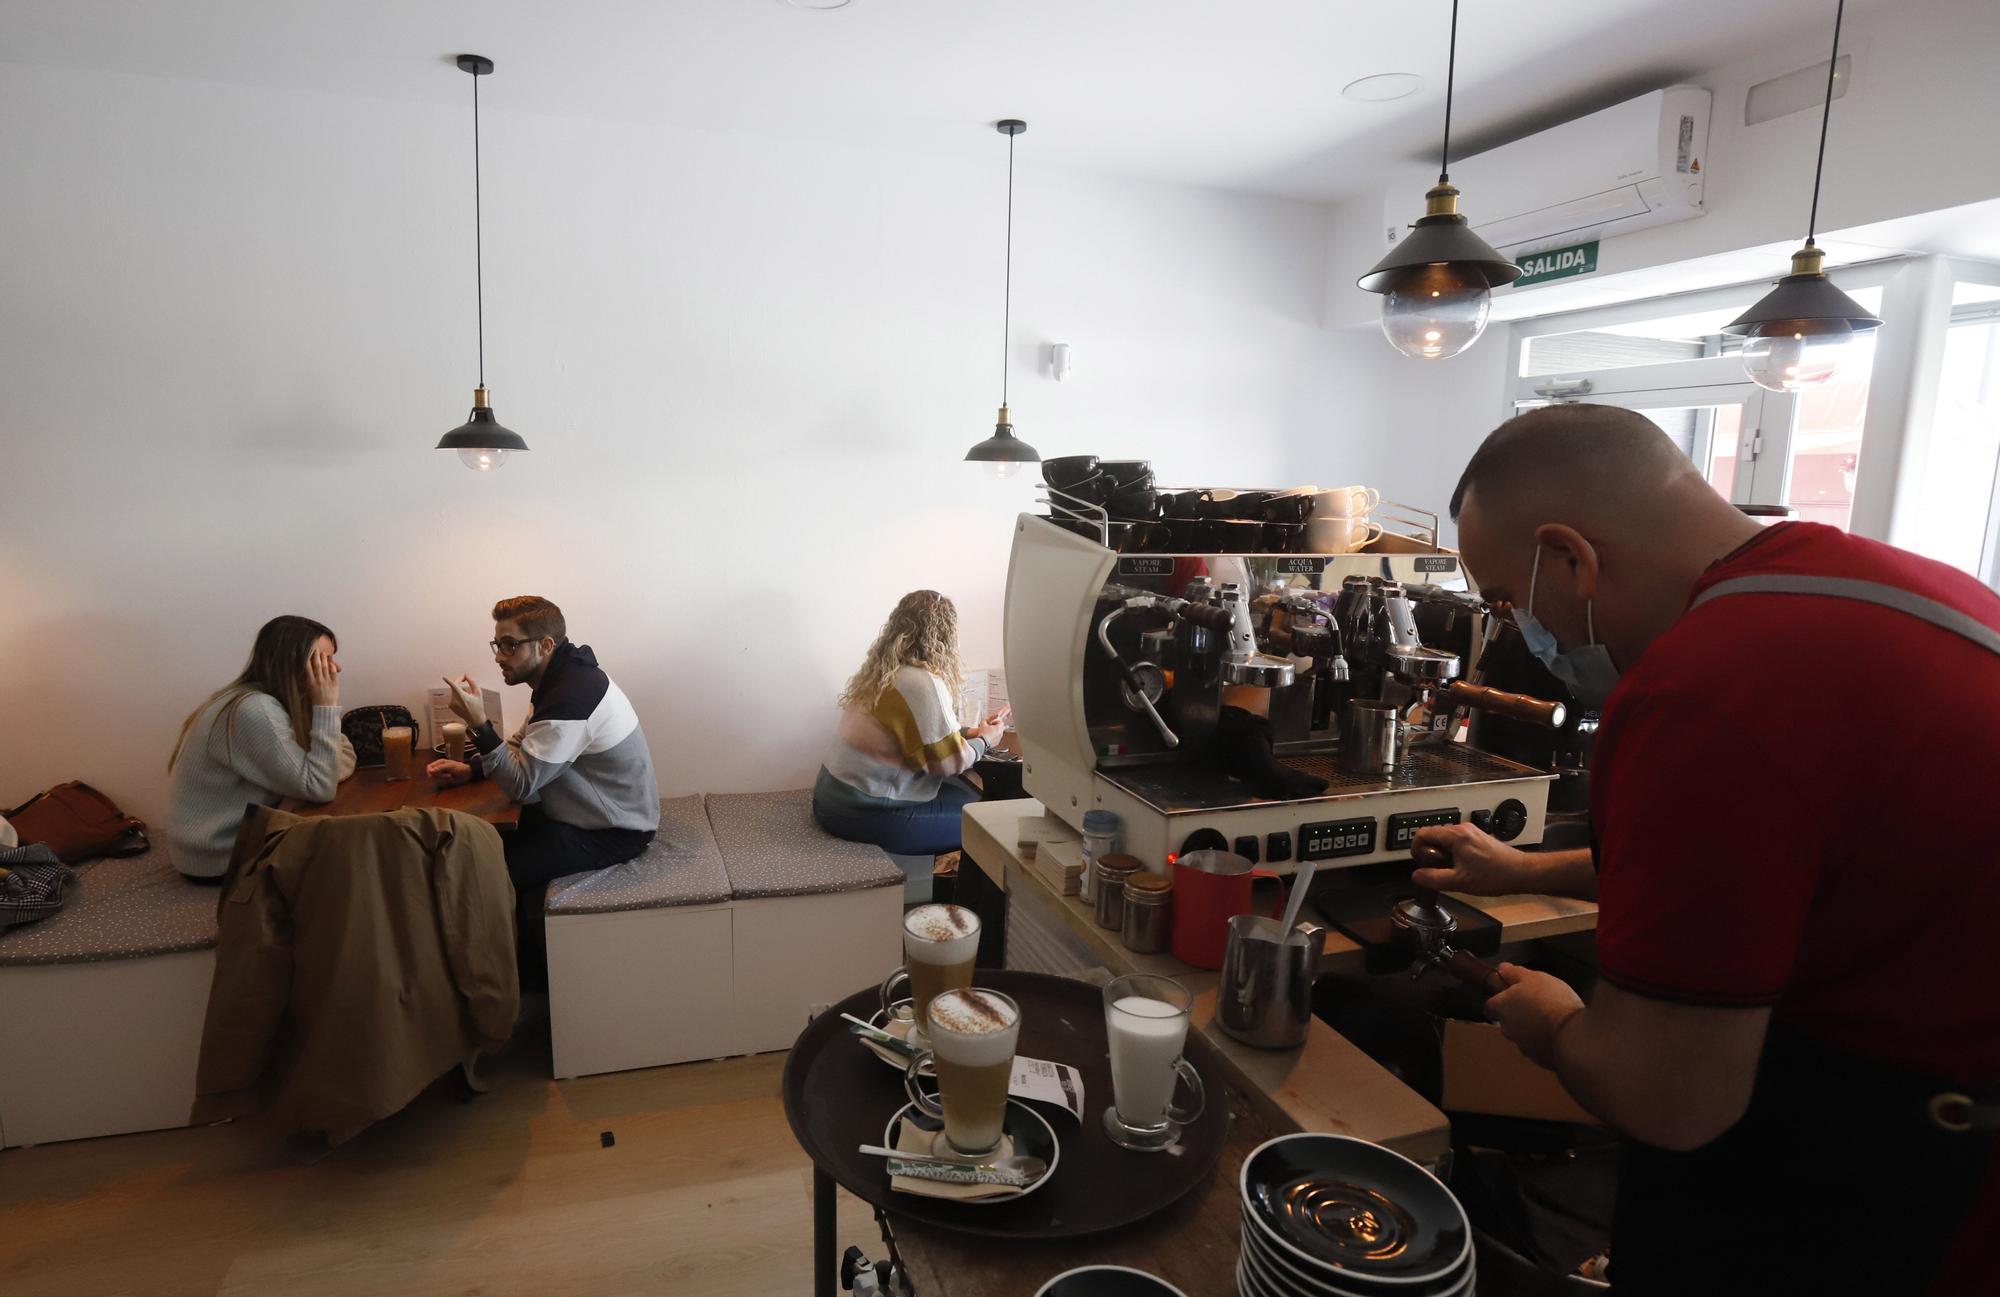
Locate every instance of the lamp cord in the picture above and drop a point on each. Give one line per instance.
(1450, 75)
(478, 235)
(1826, 114)
(1007, 307)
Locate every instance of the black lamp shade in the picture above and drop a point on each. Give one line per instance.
(481, 432)
(1441, 240)
(1003, 447)
(1802, 305)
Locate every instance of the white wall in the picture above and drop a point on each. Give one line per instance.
(1908, 139)
(234, 321)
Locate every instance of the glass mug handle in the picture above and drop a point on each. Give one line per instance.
(929, 1103)
(1184, 1116)
(889, 996)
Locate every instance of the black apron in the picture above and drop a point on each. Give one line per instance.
(1841, 1177)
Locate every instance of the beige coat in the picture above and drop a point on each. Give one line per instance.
(360, 958)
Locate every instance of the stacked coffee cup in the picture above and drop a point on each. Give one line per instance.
(1332, 1216)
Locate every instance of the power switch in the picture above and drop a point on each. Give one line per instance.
(1277, 847)
(1246, 847)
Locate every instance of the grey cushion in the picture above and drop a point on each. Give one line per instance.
(120, 909)
(772, 846)
(681, 867)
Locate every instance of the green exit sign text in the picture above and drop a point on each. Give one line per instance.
(1557, 263)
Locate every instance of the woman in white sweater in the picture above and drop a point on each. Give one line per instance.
(272, 733)
(890, 777)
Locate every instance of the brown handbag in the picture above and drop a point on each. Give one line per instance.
(78, 823)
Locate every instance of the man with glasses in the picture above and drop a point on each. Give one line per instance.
(579, 764)
(1797, 1019)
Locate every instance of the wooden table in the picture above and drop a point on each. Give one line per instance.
(1327, 1084)
(1192, 1245)
(368, 791)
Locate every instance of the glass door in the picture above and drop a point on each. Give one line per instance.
(1738, 434)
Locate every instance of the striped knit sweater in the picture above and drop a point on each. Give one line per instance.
(258, 761)
(906, 745)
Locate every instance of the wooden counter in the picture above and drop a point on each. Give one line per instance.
(1327, 1084)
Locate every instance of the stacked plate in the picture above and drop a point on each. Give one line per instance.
(1330, 1216)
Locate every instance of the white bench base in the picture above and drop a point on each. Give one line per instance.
(103, 1048)
(795, 954)
(645, 988)
(639, 988)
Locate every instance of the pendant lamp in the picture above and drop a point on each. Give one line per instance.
(481, 442)
(1437, 283)
(1797, 334)
(1003, 453)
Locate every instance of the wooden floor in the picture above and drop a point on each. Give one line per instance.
(703, 1191)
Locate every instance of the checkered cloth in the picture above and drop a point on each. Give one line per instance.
(32, 884)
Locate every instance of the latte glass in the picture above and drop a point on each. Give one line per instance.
(940, 943)
(972, 1037)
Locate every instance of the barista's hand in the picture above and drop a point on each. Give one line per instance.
(1532, 1010)
(449, 774)
(994, 727)
(322, 680)
(467, 703)
(1481, 864)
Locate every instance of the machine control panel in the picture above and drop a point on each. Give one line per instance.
(1401, 830)
(1331, 839)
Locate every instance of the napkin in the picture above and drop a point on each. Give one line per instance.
(912, 1139)
(897, 1027)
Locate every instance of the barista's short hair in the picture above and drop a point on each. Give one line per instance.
(1602, 443)
(536, 616)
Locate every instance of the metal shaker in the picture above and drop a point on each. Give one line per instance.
(1267, 981)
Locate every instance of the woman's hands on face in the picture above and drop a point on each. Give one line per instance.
(322, 679)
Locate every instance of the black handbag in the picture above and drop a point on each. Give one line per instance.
(363, 727)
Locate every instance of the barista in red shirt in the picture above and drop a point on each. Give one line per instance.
(1797, 1024)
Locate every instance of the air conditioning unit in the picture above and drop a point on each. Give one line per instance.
(1638, 164)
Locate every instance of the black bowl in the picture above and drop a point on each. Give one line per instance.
(1134, 502)
(1128, 472)
(1107, 1281)
(1184, 535)
(1301, 1194)
(1286, 508)
(1248, 505)
(1231, 536)
(1284, 538)
(1064, 471)
(1095, 489)
(1184, 504)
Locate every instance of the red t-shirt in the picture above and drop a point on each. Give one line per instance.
(1796, 800)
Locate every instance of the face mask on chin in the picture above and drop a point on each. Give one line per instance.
(1588, 672)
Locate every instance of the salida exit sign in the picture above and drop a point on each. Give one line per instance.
(1557, 263)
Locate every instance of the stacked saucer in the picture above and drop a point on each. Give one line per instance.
(1330, 1216)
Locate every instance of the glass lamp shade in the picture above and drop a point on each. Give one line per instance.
(1437, 283)
(1002, 454)
(1794, 362)
(481, 441)
(1436, 311)
(1798, 333)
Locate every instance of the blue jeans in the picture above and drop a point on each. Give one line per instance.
(900, 828)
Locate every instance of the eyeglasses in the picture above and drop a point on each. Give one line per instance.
(505, 647)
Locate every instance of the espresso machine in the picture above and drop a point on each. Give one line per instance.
(1120, 665)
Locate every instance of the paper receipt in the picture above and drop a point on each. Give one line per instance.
(1046, 1082)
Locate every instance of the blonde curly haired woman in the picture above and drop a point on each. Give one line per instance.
(891, 776)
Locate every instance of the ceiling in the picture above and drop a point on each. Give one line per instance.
(1233, 94)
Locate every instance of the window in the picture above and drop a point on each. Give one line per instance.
(1955, 519)
(1669, 360)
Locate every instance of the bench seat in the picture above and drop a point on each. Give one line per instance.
(101, 1005)
(815, 917)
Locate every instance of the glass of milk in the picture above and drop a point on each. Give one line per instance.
(1146, 1023)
